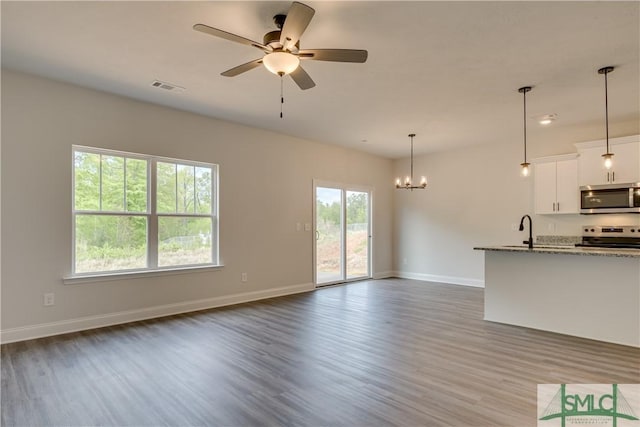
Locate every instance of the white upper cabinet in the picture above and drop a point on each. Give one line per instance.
(626, 161)
(556, 184)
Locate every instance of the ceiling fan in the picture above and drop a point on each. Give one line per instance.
(282, 53)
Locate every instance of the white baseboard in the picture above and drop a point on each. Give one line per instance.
(383, 274)
(452, 280)
(90, 322)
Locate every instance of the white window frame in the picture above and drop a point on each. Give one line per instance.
(152, 218)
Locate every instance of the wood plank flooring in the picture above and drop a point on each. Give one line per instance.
(374, 353)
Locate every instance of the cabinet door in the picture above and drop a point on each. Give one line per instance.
(567, 186)
(591, 167)
(625, 163)
(544, 183)
(625, 169)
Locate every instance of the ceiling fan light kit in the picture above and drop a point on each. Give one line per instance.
(281, 63)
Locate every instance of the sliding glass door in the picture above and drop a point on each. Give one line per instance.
(342, 219)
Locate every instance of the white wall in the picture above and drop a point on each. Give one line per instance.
(474, 197)
(265, 189)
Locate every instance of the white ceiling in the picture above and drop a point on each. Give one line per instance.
(448, 71)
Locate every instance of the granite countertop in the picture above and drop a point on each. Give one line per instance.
(564, 250)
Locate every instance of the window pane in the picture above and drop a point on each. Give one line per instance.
(329, 242)
(112, 183)
(86, 168)
(184, 241)
(110, 242)
(186, 191)
(166, 195)
(357, 244)
(136, 185)
(203, 190)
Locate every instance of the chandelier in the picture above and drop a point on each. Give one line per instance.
(408, 180)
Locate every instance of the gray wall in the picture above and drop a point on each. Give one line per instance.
(265, 189)
(475, 197)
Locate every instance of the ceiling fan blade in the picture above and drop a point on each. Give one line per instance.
(242, 68)
(297, 20)
(228, 36)
(336, 55)
(302, 79)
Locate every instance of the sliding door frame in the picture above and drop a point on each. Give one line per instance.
(344, 188)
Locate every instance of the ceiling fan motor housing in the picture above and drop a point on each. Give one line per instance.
(272, 39)
(279, 20)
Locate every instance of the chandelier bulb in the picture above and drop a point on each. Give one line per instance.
(525, 169)
(608, 160)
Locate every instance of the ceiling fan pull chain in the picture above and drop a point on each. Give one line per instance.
(281, 93)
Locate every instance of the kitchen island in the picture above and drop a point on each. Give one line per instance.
(586, 292)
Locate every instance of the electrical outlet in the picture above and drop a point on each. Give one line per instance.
(244, 277)
(307, 226)
(551, 227)
(298, 226)
(49, 299)
(514, 227)
(404, 261)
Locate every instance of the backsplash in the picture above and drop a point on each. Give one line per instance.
(558, 240)
(572, 225)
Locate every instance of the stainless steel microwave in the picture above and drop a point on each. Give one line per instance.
(610, 198)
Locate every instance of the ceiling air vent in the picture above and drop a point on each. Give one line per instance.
(167, 86)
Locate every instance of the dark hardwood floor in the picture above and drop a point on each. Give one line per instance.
(373, 353)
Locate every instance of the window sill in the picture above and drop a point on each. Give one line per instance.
(103, 277)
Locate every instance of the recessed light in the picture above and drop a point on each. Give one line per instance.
(547, 119)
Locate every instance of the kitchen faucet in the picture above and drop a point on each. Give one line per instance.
(530, 241)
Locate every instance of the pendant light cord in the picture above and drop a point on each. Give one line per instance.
(606, 108)
(523, 90)
(524, 121)
(606, 71)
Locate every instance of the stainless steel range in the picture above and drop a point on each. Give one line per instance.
(604, 236)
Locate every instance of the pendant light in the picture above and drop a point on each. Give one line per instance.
(525, 165)
(608, 161)
(408, 181)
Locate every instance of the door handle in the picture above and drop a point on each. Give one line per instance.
(613, 177)
(558, 207)
(317, 235)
